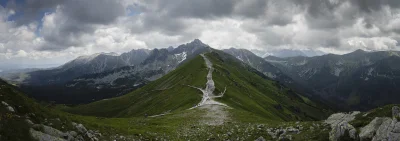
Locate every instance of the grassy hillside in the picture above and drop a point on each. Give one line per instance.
(183, 125)
(250, 90)
(13, 125)
(169, 93)
(246, 89)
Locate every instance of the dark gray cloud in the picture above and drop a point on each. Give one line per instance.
(375, 5)
(251, 8)
(310, 23)
(32, 9)
(76, 18)
(168, 17)
(194, 8)
(93, 11)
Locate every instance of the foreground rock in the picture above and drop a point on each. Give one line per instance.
(388, 131)
(379, 129)
(40, 136)
(339, 123)
(368, 132)
(42, 132)
(9, 108)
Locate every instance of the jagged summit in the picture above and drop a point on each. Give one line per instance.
(196, 41)
(358, 52)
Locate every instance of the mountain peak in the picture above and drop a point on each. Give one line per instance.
(197, 41)
(359, 51)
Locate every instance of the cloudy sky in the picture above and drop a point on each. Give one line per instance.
(38, 33)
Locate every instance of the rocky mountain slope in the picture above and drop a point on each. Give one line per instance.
(360, 80)
(100, 76)
(284, 53)
(270, 70)
(259, 64)
(22, 119)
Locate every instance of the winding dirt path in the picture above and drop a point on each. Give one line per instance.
(208, 92)
(216, 112)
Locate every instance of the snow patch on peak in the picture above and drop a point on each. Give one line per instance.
(370, 70)
(240, 58)
(302, 63)
(181, 56)
(270, 75)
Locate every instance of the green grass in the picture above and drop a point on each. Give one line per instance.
(180, 125)
(254, 99)
(13, 125)
(247, 90)
(169, 93)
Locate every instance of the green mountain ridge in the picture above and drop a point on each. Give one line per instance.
(258, 108)
(30, 121)
(246, 89)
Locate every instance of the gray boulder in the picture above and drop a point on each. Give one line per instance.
(73, 133)
(260, 139)
(368, 132)
(37, 135)
(395, 112)
(340, 130)
(340, 126)
(29, 122)
(9, 108)
(81, 129)
(86, 133)
(54, 132)
(384, 132)
(396, 128)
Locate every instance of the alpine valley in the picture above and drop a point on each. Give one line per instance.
(196, 92)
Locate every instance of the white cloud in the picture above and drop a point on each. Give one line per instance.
(334, 26)
(374, 43)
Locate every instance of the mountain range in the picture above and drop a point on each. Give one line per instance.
(242, 88)
(358, 80)
(195, 92)
(103, 75)
(355, 80)
(284, 53)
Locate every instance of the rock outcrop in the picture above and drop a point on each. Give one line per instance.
(9, 108)
(395, 112)
(42, 132)
(368, 132)
(260, 139)
(339, 123)
(40, 136)
(379, 129)
(388, 131)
